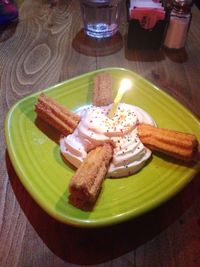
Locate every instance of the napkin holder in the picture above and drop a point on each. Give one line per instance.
(146, 28)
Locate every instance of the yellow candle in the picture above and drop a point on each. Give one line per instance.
(124, 86)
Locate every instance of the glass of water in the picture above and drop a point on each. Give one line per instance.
(101, 17)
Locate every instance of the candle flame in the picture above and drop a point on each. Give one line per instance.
(125, 85)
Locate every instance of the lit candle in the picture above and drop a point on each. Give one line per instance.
(124, 86)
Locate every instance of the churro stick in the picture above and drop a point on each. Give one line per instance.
(176, 144)
(85, 185)
(102, 94)
(56, 115)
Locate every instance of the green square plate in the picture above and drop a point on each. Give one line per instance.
(41, 169)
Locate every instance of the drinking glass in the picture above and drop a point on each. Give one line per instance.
(101, 18)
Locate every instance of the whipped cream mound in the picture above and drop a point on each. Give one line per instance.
(95, 128)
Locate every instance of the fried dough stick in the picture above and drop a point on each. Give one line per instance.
(85, 185)
(102, 93)
(56, 115)
(173, 143)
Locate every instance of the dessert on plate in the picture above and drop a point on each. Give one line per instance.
(100, 146)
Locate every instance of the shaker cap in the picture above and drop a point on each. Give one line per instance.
(182, 6)
(183, 2)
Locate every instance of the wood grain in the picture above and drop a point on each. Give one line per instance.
(37, 53)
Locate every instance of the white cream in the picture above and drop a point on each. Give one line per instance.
(95, 128)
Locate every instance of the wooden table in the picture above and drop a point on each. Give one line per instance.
(37, 53)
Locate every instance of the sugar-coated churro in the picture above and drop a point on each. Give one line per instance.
(56, 115)
(85, 185)
(102, 93)
(176, 144)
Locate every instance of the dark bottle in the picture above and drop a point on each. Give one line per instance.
(179, 22)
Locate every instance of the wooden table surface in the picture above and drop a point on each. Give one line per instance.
(42, 50)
